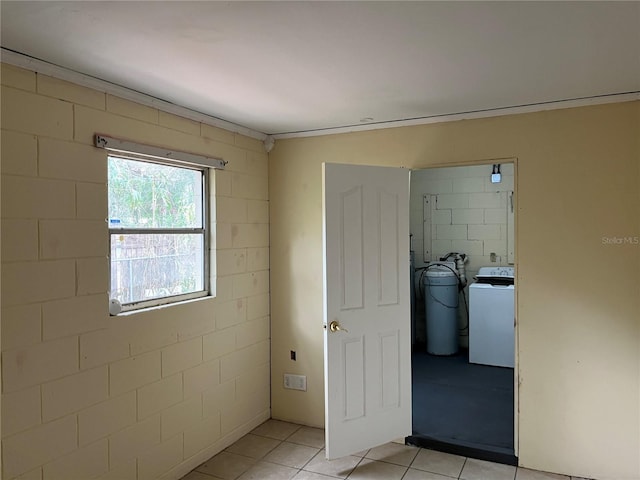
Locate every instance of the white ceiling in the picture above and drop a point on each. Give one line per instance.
(278, 67)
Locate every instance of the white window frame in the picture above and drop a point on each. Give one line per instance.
(144, 153)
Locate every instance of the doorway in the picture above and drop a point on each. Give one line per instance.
(465, 214)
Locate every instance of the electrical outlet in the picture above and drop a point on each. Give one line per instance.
(295, 382)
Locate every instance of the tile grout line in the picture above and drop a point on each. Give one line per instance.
(354, 468)
(301, 470)
(463, 465)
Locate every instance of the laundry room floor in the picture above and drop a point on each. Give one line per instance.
(457, 402)
(284, 451)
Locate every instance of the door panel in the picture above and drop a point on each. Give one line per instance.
(366, 291)
(351, 249)
(353, 378)
(389, 368)
(389, 270)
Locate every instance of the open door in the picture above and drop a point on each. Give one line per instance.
(367, 339)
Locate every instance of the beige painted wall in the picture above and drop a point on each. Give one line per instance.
(142, 396)
(578, 298)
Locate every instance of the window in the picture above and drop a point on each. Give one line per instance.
(158, 231)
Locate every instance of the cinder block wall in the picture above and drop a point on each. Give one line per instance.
(470, 214)
(142, 396)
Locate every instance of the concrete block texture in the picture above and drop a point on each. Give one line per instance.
(133, 396)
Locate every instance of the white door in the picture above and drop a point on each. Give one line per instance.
(367, 360)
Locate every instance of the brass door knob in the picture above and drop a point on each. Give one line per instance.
(335, 327)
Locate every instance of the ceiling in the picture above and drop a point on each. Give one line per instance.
(281, 67)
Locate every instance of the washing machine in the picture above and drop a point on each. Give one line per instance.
(492, 317)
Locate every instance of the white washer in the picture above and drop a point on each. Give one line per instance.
(491, 317)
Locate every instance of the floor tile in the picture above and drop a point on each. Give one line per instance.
(312, 437)
(413, 474)
(264, 454)
(369, 469)
(394, 453)
(198, 476)
(303, 475)
(291, 455)
(438, 462)
(361, 453)
(276, 429)
(268, 471)
(253, 446)
(227, 466)
(480, 470)
(340, 467)
(526, 474)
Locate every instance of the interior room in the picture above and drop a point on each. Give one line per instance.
(512, 133)
(465, 214)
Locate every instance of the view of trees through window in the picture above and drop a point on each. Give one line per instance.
(157, 230)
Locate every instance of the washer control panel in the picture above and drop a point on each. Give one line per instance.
(496, 272)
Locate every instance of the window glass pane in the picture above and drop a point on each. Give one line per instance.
(149, 195)
(148, 266)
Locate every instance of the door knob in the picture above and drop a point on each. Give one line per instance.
(335, 327)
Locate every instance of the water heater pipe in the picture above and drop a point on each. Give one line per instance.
(460, 259)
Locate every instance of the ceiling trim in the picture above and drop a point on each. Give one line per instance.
(33, 64)
(494, 112)
(40, 66)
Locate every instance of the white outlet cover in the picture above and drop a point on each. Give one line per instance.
(295, 382)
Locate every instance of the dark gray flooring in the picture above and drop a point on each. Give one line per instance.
(461, 403)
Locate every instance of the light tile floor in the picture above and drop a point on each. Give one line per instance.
(284, 451)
